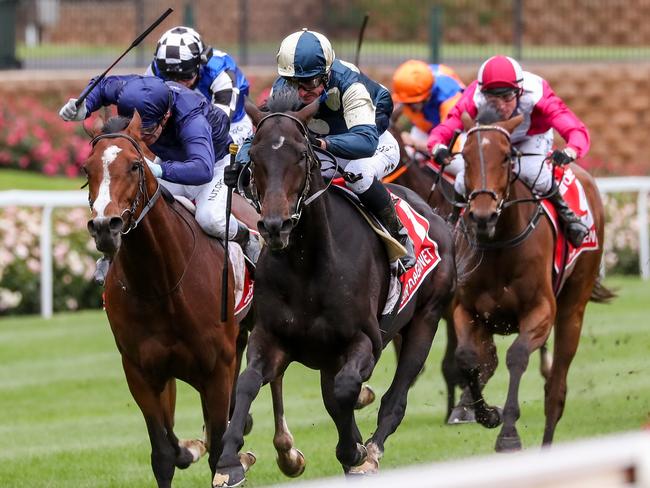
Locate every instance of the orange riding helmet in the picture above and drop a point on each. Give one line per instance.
(412, 82)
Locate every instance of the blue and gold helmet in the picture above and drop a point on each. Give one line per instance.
(305, 54)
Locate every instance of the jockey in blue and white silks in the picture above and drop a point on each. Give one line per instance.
(181, 56)
(188, 135)
(350, 123)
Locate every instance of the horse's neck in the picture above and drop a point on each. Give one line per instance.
(154, 255)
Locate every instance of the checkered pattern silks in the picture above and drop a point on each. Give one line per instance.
(178, 50)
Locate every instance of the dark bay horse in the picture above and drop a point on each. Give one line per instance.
(421, 175)
(511, 291)
(321, 285)
(162, 305)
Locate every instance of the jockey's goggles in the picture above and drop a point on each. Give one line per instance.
(307, 84)
(502, 94)
(150, 130)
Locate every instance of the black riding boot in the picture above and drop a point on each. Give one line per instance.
(101, 271)
(249, 243)
(574, 230)
(378, 201)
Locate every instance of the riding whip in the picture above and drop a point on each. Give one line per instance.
(232, 149)
(360, 39)
(138, 40)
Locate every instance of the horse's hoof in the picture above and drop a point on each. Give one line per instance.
(508, 443)
(362, 455)
(191, 451)
(365, 398)
(371, 464)
(490, 417)
(247, 459)
(248, 426)
(292, 463)
(461, 414)
(229, 477)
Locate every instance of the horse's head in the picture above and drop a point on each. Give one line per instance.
(282, 161)
(488, 168)
(117, 187)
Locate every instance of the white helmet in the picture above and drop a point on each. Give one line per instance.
(179, 52)
(305, 54)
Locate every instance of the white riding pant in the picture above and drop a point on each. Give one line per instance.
(210, 200)
(241, 129)
(457, 162)
(533, 170)
(383, 162)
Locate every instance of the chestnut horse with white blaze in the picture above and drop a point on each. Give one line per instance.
(162, 298)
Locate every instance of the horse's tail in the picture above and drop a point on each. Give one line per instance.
(601, 294)
(466, 257)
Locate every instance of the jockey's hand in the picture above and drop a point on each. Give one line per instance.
(231, 174)
(563, 157)
(154, 166)
(315, 141)
(441, 154)
(70, 112)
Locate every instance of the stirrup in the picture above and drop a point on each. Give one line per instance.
(408, 260)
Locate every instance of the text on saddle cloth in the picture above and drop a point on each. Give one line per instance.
(574, 195)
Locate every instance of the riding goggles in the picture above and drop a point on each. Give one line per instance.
(307, 84)
(504, 95)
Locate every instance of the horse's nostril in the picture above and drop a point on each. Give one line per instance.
(472, 216)
(91, 228)
(115, 224)
(492, 219)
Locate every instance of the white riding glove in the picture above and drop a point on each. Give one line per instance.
(154, 166)
(70, 112)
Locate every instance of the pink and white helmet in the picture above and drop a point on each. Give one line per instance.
(500, 72)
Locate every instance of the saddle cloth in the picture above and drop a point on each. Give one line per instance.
(402, 288)
(244, 283)
(574, 195)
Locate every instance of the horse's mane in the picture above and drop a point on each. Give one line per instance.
(487, 115)
(283, 100)
(115, 124)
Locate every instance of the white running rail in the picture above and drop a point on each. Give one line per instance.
(616, 461)
(49, 200)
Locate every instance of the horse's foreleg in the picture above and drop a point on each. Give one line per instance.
(290, 460)
(471, 337)
(340, 392)
(416, 343)
(567, 336)
(265, 362)
(242, 340)
(533, 332)
(153, 404)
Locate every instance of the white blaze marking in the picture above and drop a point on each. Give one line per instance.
(278, 144)
(485, 142)
(104, 193)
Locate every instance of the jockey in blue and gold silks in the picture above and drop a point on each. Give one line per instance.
(189, 137)
(427, 93)
(350, 123)
(181, 56)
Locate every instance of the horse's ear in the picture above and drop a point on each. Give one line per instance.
(306, 113)
(135, 126)
(253, 112)
(511, 124)
(468, 121)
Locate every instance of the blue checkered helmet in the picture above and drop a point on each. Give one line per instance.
(149, 95)
(305, 54)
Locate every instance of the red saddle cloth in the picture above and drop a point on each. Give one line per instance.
(574, 195)
(247, 294)
(426, 250)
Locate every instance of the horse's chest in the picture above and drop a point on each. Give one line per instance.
(496, 307)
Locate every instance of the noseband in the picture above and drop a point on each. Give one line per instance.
(484, 190)
(312, 161)
(142, 188)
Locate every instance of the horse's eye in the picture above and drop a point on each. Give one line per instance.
(135, 165)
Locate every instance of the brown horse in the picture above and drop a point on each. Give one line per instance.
(512, 288)
(419, 173)
(162, 305)
(321, 285)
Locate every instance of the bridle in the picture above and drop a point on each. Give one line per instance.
(312, 161)
(508, 159)
(142, 187)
